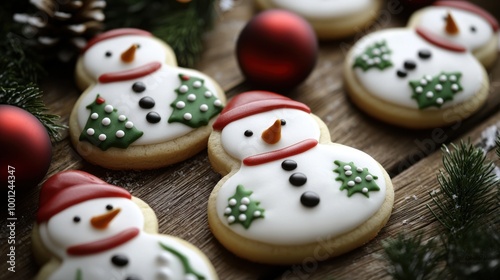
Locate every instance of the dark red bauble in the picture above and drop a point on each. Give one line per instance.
(26, 150)
(277, 50)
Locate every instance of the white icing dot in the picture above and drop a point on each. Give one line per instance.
(183, 88)
(163, 258)
(242, 217)
(108, 108)
(364, 190)
(348, 173)
(188, 116)
(359, 169)
(454, 87)
(438, 87)
(357, 179)
(180, 104)
(386, 57)
(245, 200)
(191, 97)
(190, 277)
(164, 274)
(197, 84)
(365, 57)
(204, 107)
(443, 78)
(376, 51)
(377, 60)
(423, 82)
(227, 210)
(94, 116)
(90, 131)
(428, 77)
(419, 89)
(232, 202)
(217, 103)
(369, 62)
(102, 137)
(439, 100)
(351, 183)
(257, 213)
(122, 118)
(231, 219)
(369, 177)
(384, 49)
(347, 167)
(120, 133)
(106, 121)
(243, 208)
(208, 94)
(129, 124)
(453, 78)
(429, 94)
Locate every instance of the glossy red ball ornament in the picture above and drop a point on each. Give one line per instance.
(26, 148)
(277, 50)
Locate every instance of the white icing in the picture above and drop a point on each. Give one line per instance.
(146, 258)
(285, 221)
(432, 19)
(324, 9)
(405, 45)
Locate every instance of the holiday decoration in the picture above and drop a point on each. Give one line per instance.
(376, 55)
(26, 148)
(434, 91)
(355, 179)
(195, 104)
(242, 209)
(276, 50)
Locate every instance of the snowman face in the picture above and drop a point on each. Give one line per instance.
(73, 225)
(243, 137)
(473, 31)
(105, 56)
(321, 9)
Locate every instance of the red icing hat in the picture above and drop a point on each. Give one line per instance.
(467, 6)
(115, 33)
(254, 102)
(71, 187)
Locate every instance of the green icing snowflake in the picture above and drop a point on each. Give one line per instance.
(355, 179)
(376, 55)
(242, 209)
(434, 91)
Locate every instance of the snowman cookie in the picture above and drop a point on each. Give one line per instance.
(288, 193)
(462, 23)
(139, 110)
(414, 78)
(331, 19)
(88, 229)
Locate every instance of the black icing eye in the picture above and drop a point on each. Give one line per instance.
(424, 54)
(473, 29)
(283, 122)
(410, 65)
(108, 54)
(109, 207)
(138, 46)
(76, 219)
(248, 133)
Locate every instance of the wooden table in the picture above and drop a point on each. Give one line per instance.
(178, 194)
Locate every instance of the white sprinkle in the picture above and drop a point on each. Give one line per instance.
(429, 94)
(204, 107)
(359, 169)
(365, 57)
(351, 183)
(163, 258)
(227, 211)
(102, 137)
(90, 131)
(129, 124)
(257, 213)
(231, 219)
(386, 57)
(217, 103)
(122, 118)
(377, 60)
(245, 200)
(347, 167)
(364, 190)
(369, 62)
(439, 100)
(454, 87)
(423, 82)
(94, 116)
(443, 78)
(208, 94)
(188, 116)
(428, 77)
(164, 274)
(419, 89)
(453, 78)
(183, 88)
(369, 177)
(108, 108)
(243, 208)
(106, 121)
(376, 51)
(242, 217)
(120, 133)
(180, 104)
(384, 49)
(232, 202)
(191, 97)
(438, 87)
(197, 84)
(348, 173)
(357, 179)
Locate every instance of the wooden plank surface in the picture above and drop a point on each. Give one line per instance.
(178, 194)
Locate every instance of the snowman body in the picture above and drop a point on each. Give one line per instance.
(320, 9)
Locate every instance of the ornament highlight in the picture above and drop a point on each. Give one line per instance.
(277, 50)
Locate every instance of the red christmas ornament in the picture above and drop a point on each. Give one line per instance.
(26, 148)
(277, 50)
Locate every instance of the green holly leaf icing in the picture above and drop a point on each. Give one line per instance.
(195, 104)
(189, 272)
(355, 179)
(434, 91)
(105, 128)
(242, 209)
(376, 55)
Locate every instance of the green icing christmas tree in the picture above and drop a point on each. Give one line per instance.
(355, 179)
(195, 105)
(242, 209)
(105, 128)
(376, 55)
(434, 91)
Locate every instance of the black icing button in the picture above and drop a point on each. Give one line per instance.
(147, 102)
(410, 65)
(424, 54)
(298, 179)
(119, 260)
(288, 165)
(138, 87)
(401, 73)
(309, 199)
(133, 277)
(153, 117)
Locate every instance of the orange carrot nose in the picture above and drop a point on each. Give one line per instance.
(128, 55)
(102, 221)
(272, 135)
(451, 27)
